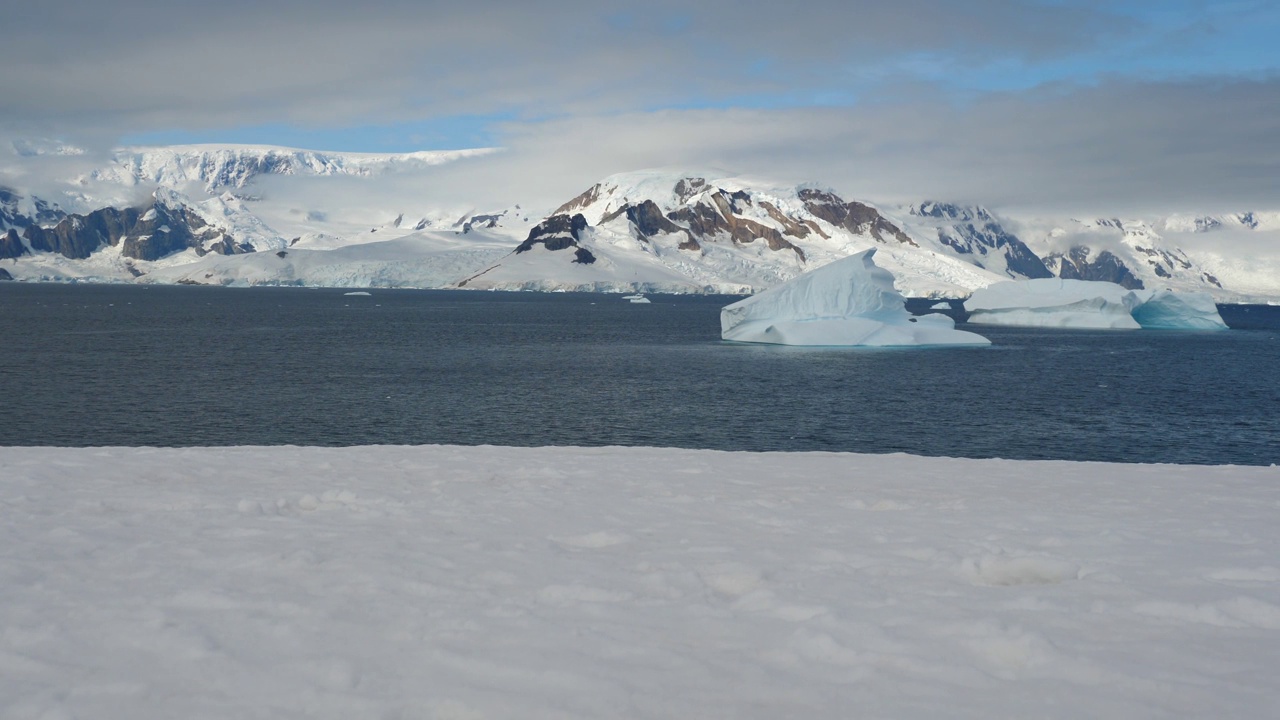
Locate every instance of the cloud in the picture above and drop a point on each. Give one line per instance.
(1119, 147)
(85, 67)
(862, 96)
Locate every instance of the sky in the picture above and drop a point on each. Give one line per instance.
(1026, 103)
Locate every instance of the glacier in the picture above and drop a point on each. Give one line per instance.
(849, 302)
(1090, 305)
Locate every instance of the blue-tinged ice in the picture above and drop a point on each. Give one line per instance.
(849, 302)
(1089, 304)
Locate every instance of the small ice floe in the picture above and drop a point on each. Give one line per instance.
(638, 298)
(358, 292)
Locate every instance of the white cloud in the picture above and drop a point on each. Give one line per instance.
(79, 66)
(1117, 148)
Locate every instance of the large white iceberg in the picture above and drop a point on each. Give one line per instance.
(1089, 304)
(845, 303)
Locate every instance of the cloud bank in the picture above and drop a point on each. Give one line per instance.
(1121, 147)
(1066, 104)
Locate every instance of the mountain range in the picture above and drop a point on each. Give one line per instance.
(204, 214)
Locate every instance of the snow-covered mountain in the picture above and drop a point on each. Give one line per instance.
(217, 167)
(22, 211)
(684, 232)
(1231, 260)
(978, 237)
(266, 215)
(1234, 257)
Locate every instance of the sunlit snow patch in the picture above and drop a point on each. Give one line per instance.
(1088, 304)
(849, 302)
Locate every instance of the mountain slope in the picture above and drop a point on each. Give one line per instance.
(156, 209)
(678, 232)
(217, 167)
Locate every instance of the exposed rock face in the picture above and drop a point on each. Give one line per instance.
(589, 196)
(143, 233)
(648, 220)
(4, 274)
(720, 217)
(557, 232)
(11, 245)
(973, 231)
(11, 215)
(77, 236)
(488, 221)
(1165, 262)
(852, 216)
(1077, 264)
(686, 188)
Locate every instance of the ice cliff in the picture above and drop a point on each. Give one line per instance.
(1086, 304)
(844, 303)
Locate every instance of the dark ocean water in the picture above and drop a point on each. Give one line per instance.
(86, 365)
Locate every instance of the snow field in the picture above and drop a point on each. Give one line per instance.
(455, 582)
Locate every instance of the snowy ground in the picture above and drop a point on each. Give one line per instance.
(450, 582)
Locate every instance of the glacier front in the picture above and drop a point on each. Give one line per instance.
(1092, 305)
(849, 302)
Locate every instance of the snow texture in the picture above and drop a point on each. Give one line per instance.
(1085, 304)
(277, 198)
(451, 582)
(849, 302)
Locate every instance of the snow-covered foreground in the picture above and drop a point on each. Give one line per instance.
(452, 582)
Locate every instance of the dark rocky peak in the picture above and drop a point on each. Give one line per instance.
(557, 232)
(1076, 264)
(166, 226)
(12, 216)
(853, 216)
(1249, 220)
(708, 221)
(589, 196)
(739, 201)
(790, 225)
(489, 220)
(78, 236)
(648, 221)
(973, 231)
(11, 245)
(686, 188)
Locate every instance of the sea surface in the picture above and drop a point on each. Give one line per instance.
(91, 365)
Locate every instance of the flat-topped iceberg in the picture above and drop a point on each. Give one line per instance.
(1089, 304)
(849, 302)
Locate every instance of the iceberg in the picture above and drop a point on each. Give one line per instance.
(849, 302)
(1168, 310)
(1089, 304)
